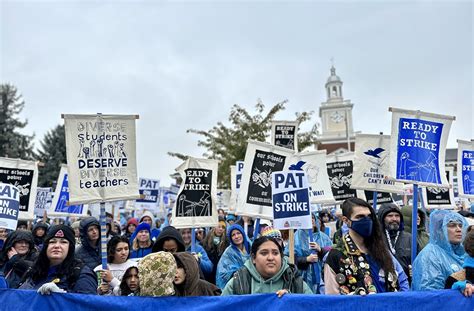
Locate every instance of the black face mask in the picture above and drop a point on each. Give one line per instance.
(363, 226)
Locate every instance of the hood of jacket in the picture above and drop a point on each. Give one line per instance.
(40, 225)
(241, 230)
(259, 284)
(191, 268)
(13, 237)
(167, 233)
(149, 214)
(439, 221)
(157, 272)
(389, 208)
(84, 226)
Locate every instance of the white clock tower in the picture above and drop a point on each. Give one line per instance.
(336, 118)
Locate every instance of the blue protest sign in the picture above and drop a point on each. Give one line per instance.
(466, 169)
(290, 199)
(61, 198)
(9, 206)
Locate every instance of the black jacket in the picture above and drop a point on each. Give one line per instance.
(86, 252)
(402, 244)
(167, 233)
(15, 268)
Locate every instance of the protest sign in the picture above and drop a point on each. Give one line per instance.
(223, 199)
(196, 202)
(314, 165)
(9, 206)
(290, 199)
(285, 134)
(382, 197)
(372, 165)
(44, 196)
(340, 168)
(434, 197)
(23, 175)
(59, 206)
(261, 160)
(418, 146)
(150, 191)
(466, 169)
(101, 156)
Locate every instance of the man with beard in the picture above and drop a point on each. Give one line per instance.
(397, 240)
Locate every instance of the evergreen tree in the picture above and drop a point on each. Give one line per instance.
(52, 154)
(13, 144)
(228, 144)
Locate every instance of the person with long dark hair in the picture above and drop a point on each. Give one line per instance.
(266, 271)
(118, 253)
(56, 270)
(130, 285)
(360, 263)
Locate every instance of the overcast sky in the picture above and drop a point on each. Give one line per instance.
(183, 65)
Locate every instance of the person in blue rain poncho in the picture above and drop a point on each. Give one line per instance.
(234, 256)
(309, 254)
(444, 254)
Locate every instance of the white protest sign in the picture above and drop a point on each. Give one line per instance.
(23, 175)
(285, 134)
(290, 199)
(435, 197)
(372, 164)
(196, 204)
(314, 165)
(101, 156)
(233, 187)
(9, 206)
(223, 199)
(43, 200)
(261, 160)
(466, 169)
(418, 147)
(59, 206)
(150, 190)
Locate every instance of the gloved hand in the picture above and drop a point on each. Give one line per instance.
(48, 288)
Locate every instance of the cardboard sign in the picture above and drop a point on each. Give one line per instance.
(101, 156)
(196, 202)
(9, 206)
(466, 169)
(23, 175)
(372, 164)
(284, 134)
(340, 168)
(418, 146)
(59, 206)
(290, 198)
(261, 160)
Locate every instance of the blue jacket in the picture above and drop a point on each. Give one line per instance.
(232, 259)
(439, 259)
(140, 253)
(302, 251)
(204, 262)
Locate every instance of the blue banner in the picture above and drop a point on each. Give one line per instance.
(418, 150)
(467, 172)
(63, 198)
(441, 300)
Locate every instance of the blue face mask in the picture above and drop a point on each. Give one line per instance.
(363, 226)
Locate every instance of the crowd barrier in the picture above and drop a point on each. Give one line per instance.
(431, 301)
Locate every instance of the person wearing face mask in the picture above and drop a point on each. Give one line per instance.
(17, 256)
(396, 239)
(360, 263)
(118, 253)
(267, 271)
(444, 254)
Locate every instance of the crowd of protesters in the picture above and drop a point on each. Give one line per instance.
(358, 251)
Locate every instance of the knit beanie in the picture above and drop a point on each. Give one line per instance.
(61, 231)
(271, 232)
